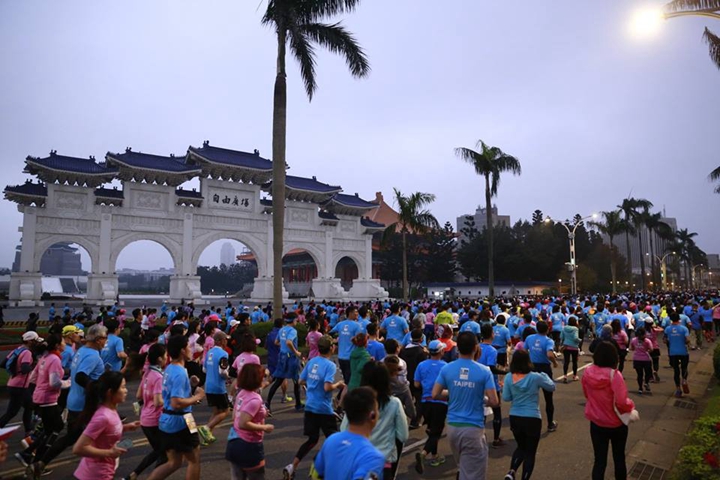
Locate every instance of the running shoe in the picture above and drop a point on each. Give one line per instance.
(685, 387)
(640, 392)
(564, 379)
(678, 393)
(289, 472)
(419, 463)
(286, 399)
(647, 388)
(24, 458)
(267, 408)
(553, 426)
(437, 460)
(575, 378)
(300, 408)
(498, 443)
(509, 476)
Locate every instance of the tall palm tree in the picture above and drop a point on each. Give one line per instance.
(687, 250)
(653, 222)
(701, 7)
(413, 218)
(715, 176)
(490, 162)
(633, 209)
(612, 226)
(299, 24)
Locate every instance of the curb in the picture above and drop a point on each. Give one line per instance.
(651, 457)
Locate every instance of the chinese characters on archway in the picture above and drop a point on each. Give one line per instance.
(230, 200)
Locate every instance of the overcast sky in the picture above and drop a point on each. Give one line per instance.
(592, 113)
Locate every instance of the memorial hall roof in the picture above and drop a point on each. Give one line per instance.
(27, 193)
(235, 158)
(348, 204)
(147, 161)
(71, 170)
(109, 193)
(366, 222)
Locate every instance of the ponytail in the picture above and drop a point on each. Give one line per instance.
(96, 393)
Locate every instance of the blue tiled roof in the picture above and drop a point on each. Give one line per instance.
(266, 202)
(308, 184)
(366, 222)
(28, 188)
(327, 215)
(352, 201)
(152, 162)
(234, 158)
(181, 192)
(109, 193)
(86, 166)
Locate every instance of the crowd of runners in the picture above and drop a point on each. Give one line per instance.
(366, 375)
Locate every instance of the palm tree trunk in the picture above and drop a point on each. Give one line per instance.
(613, 271)
(488, 213)
(405, 267)
(629, 255)
(278, 184)
(642, 258)
(652, 260)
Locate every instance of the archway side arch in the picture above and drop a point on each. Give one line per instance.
(203, 241)
(90, 247)
(173, 247)
(358, 258)
(316, 253)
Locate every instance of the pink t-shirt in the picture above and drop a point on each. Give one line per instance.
(45, 393)
(252, 404)
(641, 351)
(152, 385)
(105, 429)
(243, 359)
(21, 379)
(312, 341)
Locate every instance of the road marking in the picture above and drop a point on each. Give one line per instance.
(579, 369)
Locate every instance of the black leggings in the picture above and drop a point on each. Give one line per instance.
(497, 421)
(314, 423)
(20, 398)
(644, 372)
(567, 356)
(276, 384)
(157, 454)
(526, 431)
(52, 425)
(655, 355)
(549, 405)
(74, 430)
(621, 363)
(679, 364)
(601, 437)
(435, 415)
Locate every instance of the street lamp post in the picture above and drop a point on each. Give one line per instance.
(663, 267)
(572, 266)
(698, 283)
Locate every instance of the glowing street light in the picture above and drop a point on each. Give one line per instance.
(572, 266)
(647, 22)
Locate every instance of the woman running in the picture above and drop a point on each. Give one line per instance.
(522, 387)
(150, 392)
(641, 347)
(621, 339)
(98, 443)
(245, 450)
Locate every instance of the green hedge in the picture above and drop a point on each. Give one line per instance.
(700, 458)
(716, 361)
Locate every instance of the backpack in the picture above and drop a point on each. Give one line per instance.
(10, 362)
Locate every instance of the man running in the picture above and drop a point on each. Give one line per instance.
(217, 372)
(433, 410)
(540, 348)
(288, 366)
(678, 337)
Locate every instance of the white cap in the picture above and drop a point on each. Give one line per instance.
(30, 336)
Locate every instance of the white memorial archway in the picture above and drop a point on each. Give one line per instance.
(68, 204)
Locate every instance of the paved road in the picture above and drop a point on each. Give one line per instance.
(567, 452)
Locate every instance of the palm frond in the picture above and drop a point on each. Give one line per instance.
(714, 175)
(340, 41)
(420, 199)
(477, 160)
(713, 42)
(304, 53)
(314, 10)
(426, 220)
(693, 5)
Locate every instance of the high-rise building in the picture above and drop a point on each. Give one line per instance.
(480, 221)
(227, 254)
(659, 245)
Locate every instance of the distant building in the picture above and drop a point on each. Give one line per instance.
(659, 245)
(227, 254)
(59, 260)
(480, 219)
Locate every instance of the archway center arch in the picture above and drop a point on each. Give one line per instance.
(251, 243)
(90, 247)
(173, 249)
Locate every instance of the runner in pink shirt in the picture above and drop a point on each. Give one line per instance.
(19, 382)
(98, 442)
(312, 338)
(248, 347)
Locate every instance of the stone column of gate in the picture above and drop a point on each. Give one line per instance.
(102, 286)
(26, 284)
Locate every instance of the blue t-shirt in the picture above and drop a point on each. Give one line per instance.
(346, 330)
(676, 335)
(524, 393)
(537, 346)
(214, 383)
(395, 327)
(376, 350)
(316, 374)
(407, 340)
(600, 319)
(488, 357)
(87, 360)
(471, 326)
(349, 456)
(67, 356)
(466, 382)
(706, 314)
(287, 333)
(502, 336)
(363, 322)
(557, 320)
(426, 374)
(176, 383)
(109, 353)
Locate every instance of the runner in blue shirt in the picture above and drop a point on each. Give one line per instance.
(466, 383)
(113, 353)
(288, 366)
(216, 370)
(501, 340)
(471, 325)
(395, 326)
(346, 331)
(600, 318)
(557, 319)
(434, 411)
(677, 338)
(540, 348)
(489, 358)
(350, 455)
(319, 378)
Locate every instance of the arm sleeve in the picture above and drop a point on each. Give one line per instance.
(82, 379)
(622, 402)
(546, 383)
(401, 427)
(507, 392)
(119, 345)
(96, 426)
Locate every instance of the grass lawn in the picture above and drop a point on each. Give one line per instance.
(713, 406)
